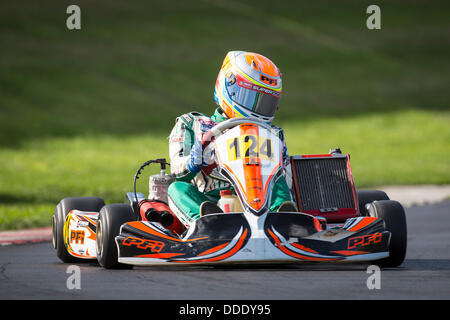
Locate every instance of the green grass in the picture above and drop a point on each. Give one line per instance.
(384, 150)
(80, 110)
(54, 168)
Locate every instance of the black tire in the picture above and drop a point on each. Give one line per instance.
(110, 219)
(394, 217)
(93, 204)
(368, 196)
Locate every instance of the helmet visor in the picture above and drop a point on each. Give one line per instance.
(255, 98)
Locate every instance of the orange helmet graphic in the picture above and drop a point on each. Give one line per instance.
(248, 85)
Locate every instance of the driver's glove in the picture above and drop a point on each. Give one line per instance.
(200, 157)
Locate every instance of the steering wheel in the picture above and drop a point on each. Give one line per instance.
(220, 128)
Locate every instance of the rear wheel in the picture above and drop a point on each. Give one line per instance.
(367, 196)
(394, 217)
(93, 204)
(110, 219)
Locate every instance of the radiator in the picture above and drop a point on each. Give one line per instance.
(323, 185)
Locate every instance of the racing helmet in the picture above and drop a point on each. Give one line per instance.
(248, 85)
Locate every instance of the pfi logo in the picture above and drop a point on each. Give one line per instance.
(362, 241)
(154, 246)
(77, 237)
(270, 81)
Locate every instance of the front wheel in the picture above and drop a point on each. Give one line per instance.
(394, 217)
(110, 219)
(367, 196)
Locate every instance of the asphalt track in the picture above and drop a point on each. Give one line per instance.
(32, 271)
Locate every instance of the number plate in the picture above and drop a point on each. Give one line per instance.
(249, 146)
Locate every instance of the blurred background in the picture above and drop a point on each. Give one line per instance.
(80, 110)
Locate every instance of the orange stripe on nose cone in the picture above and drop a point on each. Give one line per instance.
(254, 189)
(212, 250)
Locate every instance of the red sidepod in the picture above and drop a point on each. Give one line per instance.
(158, 211)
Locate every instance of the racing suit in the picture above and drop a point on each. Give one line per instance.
(190, 189)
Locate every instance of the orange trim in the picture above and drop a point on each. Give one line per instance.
(349, 252)
(90, 220)
(299, 246)
(363, 223)
(226, 255)
(317, 225)
(296, 255)
(86, 255)
(229, 111)
(226, 64)
(76, 254)
(139, 225)
(92, 236)
(236, 179)
(213, 249)
(159, 255)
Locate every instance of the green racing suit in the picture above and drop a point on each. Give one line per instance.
(190, 189)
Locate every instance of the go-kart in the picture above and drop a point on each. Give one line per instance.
(335, 224)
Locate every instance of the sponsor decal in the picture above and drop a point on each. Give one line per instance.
(176, 139)
(364, 240)
(186, 118)
(77, 236)
(82, 224)
(269, 81)
(248, 85)
(154, 246)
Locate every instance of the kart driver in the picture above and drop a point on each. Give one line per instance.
(195, 194)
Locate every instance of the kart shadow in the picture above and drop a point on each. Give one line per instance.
(407, 265)
(263, 267)
(307, 266)
(88, 264)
